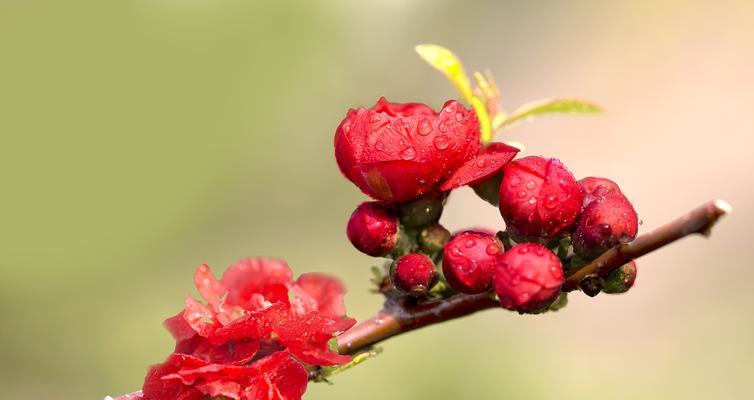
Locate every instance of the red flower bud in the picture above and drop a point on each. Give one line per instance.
(469, 260)
(397, 152)
(539, 198)
(605, 222)
(595, 188)
(373, 228)
(527, 278)
(414, 273)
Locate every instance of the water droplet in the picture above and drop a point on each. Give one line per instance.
(442, 127)
(459, 117)
(523, 249)
(470, 243)
(347, 127)
(522, 194)
(530, 185)
(551, 201)
(533, 200)
(441, 142)
(408, 153)
(515, 181)
(492, 249)
(375, 118)
(480, 162)
(540, 252)
(425, 127)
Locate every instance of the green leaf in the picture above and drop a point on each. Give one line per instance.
(548, 106)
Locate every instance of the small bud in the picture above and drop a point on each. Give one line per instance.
(373, 228)
(620, 279)
(423, 211)
(433, 238)
(592, 285)
(605, 223)
(527, 278)
(539, 198)
(595, 187)
(414, 274)
(469, 261)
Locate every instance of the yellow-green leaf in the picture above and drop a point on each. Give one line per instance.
(548, 106)
(446, 62)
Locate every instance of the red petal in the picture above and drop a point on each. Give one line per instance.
(488, 162)
(320, 293)
(280, 378)
(231, 390)
(200, 317)
(156, 388)
(254, 325)
(209, 288)
(257, 276)
(179, 328)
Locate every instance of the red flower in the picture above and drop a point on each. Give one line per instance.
(539, 198)
(397, 152)
(251, 338)
(469, 260)
(595, 187)
(528, 278)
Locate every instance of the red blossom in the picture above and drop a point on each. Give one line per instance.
(469, 261)
(488, 162)
(397, 152)
(252, 337)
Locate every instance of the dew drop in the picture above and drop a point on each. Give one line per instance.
(522, 194)
(515, 181)
(442, 127)
(459, 117)
(523, 249)
(408, 153)
(425, 127)
(470, 243)
(551, 201)
(492, 249)
(441, 142)
(533, 200)
(530, 185)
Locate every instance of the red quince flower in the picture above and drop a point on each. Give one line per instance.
(397, 152)
(527, 278)
(469, 261)
(373, 228)
(252, 337)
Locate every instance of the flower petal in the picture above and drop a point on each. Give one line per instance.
(488, 162)
(209, 288)
(320, 293)
(251, 277)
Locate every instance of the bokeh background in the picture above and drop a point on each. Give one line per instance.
(142, 138)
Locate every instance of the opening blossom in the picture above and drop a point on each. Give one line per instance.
(254, 336)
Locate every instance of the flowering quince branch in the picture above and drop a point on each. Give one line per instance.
(260, 335)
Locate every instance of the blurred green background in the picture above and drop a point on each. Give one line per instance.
(142, 138)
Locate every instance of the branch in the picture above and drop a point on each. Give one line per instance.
(699, 220)
(397, 318)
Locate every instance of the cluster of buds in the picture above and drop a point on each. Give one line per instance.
(408, 158)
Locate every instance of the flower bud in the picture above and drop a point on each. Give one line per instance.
(527, 278)
(423, 211)
(433, 238)
(620, 279)
(398, 152)
(373, 228)
(606, 222)
(595, 188)
(591, 285)
(539, 198)
(414, 274)
(469, 261)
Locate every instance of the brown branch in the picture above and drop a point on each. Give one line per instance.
(699, 220)
(396, 319)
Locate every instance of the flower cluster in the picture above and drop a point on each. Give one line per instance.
(254, 338)
(408, 158)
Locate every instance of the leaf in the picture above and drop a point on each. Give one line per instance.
(548, 106)
(446, 62)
